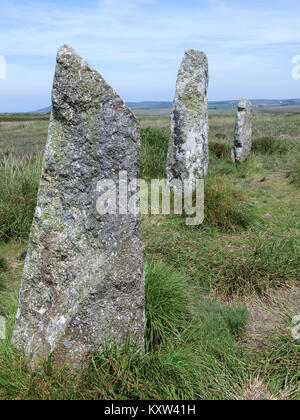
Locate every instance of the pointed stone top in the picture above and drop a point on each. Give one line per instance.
(64, 55)
(78, 87)
(66, 48)
(192, 51)
(67, 57)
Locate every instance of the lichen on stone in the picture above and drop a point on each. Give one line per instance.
(188, 148)
(83, 281)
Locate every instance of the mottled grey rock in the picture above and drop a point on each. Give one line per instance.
(83, 281)
(242, 142)
(188, 148)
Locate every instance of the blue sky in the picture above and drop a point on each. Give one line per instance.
(137, 46)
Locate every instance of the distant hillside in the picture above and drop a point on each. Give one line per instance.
(132, 105)
(43, 110)
(164, 108)
(148, 104)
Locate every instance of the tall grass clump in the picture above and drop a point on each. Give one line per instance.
(270, 263)
(169, 303)
(269, 145)
(220, 150)
(19, 183)
(226, 206)
(153, 155)
(280, 366)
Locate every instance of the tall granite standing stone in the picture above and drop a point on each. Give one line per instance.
(83, 281)
(188, 147)
(242, 142)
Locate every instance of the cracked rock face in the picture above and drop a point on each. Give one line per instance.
(83, 280)
(242, 142)
(188, 148)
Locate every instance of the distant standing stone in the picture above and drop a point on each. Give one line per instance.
(242, 142)
(83, 281)
(188, 148)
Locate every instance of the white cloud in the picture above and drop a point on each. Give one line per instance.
(129, 27)
(134, 41)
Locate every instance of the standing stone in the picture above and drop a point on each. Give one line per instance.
(83, 281)
(242, 142)
(188, 148)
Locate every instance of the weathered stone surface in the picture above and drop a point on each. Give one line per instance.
(242, 142)
(188, 148)
(83, 281)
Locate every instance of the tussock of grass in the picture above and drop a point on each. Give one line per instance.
(19, 183)
(220, 150)
(271, 263)
(226, 206)
(269, 145)
(280, 366)
(169, 303)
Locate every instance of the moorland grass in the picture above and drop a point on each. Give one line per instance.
(219, 149)
(270, 263)
(19, 181)
(225, 205)
(280, 365)
(294, 166)
(194, 345)
(153, 155)
(269, 145)
(3, 264)
(187, 339)
(3, 267)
